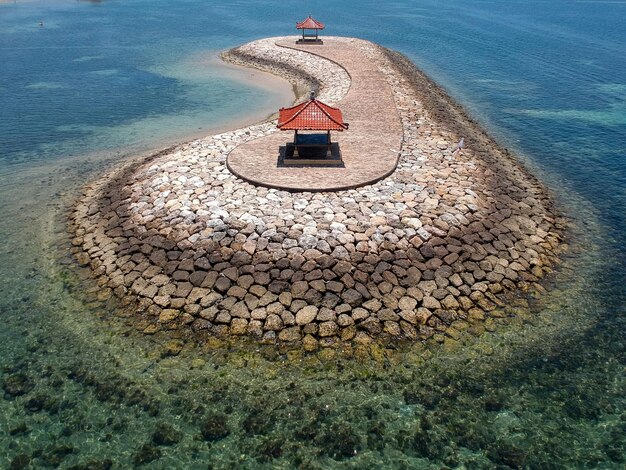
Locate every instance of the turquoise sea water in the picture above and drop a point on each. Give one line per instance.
(104, 80)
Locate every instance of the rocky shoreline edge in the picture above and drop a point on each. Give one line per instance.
(441, 246)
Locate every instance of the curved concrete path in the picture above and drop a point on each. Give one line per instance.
(370, 148)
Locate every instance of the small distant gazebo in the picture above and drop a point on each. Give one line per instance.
(312, 148)
(310, 24)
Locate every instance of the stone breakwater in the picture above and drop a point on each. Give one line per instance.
(439, 246)
(306, 72)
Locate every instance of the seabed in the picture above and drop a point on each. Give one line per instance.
(146, 380)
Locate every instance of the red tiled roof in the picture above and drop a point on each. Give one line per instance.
(310, 23)
(312, 115)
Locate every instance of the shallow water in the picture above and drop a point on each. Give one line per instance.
(103, 80)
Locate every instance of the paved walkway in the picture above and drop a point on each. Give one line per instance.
(370, 148)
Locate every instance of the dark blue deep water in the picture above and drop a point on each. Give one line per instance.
(102, 80)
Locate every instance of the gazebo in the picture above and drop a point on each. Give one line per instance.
(310, 24)
(312, 148)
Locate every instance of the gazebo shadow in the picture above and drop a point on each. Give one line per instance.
(310, 41)
(315, 157)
